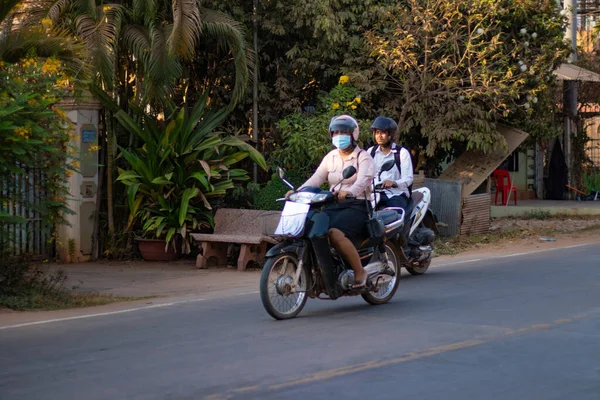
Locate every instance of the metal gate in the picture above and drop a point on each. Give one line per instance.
(22, 228)
(593, 151)
(446, 202)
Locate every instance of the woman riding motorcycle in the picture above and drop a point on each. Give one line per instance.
(347, 218)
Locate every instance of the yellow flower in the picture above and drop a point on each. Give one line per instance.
(344, 79)
(335, 106)
(47, 23)
(51, 66)
(348, 103)
(60, 113)
(353, 106)
(94, 148)
(23, 132)
(75, 164)
(106, 8)
(63, 83)
(29, 62)
(357, 100)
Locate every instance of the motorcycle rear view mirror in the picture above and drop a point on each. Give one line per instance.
(281, 173)
(348, 172)
(388, 165)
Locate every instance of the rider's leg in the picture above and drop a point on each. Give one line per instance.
(397, 201)
(346, 248)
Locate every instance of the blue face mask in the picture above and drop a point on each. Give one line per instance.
(342, 142)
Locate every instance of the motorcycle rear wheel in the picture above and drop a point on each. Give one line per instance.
(275, 285)
(386, 291)
(420, 269)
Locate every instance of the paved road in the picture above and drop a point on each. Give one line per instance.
(526, 327)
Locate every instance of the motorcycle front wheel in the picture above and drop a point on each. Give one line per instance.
(276, 292)
(386, 291)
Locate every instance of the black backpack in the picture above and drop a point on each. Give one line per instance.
(396, 159)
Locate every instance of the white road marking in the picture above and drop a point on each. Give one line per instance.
(174, 303)
(127, 310)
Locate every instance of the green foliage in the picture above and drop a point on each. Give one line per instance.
(457, 67)
(34, 135)
(275, 189)
(591, 181)
(537, 214)
(179, 167)
(305, 136)
(20, 280)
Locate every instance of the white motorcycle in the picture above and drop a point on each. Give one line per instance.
(414, 244)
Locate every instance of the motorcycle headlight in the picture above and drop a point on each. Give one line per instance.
(307, 197)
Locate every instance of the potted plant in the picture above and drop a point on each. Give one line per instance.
(177, 169)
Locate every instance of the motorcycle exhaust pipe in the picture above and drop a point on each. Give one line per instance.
(374, 268)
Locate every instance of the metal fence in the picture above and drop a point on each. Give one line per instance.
(446, 204)
(22, 197)
(593, 151)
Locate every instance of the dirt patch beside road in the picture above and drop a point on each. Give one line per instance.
(519, 235)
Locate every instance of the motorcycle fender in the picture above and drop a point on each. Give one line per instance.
(285, 247)
(319, 225)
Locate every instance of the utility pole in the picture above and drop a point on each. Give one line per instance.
(570, 91)
(255, 83)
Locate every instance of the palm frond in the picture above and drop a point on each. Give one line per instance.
(6, 7)
(162, 68)
(100, 39)
(144, 11)
(58, 8)
(187, 24)
(231, 34)
(19, 44)
(137, 39)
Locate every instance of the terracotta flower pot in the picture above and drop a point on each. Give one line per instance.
(154, 250)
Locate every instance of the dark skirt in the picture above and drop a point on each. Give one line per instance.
(350, 217)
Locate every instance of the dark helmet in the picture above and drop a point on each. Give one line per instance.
(385, 124)
(344, 123)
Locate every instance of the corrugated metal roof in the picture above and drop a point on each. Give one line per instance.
(569, 72)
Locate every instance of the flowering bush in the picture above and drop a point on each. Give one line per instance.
(34, 135)
(305, 137)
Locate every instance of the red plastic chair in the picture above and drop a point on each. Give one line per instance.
(499, 176)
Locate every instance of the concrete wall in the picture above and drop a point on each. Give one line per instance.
(75, 239)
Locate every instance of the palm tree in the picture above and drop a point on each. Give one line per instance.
(21, 34)
(161, 36)
(151, 40)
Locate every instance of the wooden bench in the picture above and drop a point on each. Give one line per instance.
(244, 227)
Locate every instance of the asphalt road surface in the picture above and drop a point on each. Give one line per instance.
(525, 327)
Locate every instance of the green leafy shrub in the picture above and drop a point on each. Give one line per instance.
(305, 136)
(274, 189)
(179, 167)
(34, 134)
(591, 181)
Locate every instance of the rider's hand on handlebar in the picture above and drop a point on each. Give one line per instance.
(342, 194)
(288, 194)
(388, 184)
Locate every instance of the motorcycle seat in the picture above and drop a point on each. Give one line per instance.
(387, 216)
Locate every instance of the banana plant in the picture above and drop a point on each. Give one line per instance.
(179, 168)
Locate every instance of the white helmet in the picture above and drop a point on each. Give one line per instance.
(344, 123)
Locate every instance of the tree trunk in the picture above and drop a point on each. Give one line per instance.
(110, 157)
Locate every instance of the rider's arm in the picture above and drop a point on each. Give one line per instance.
(366, 171)
(320, 175)
(406, 177)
